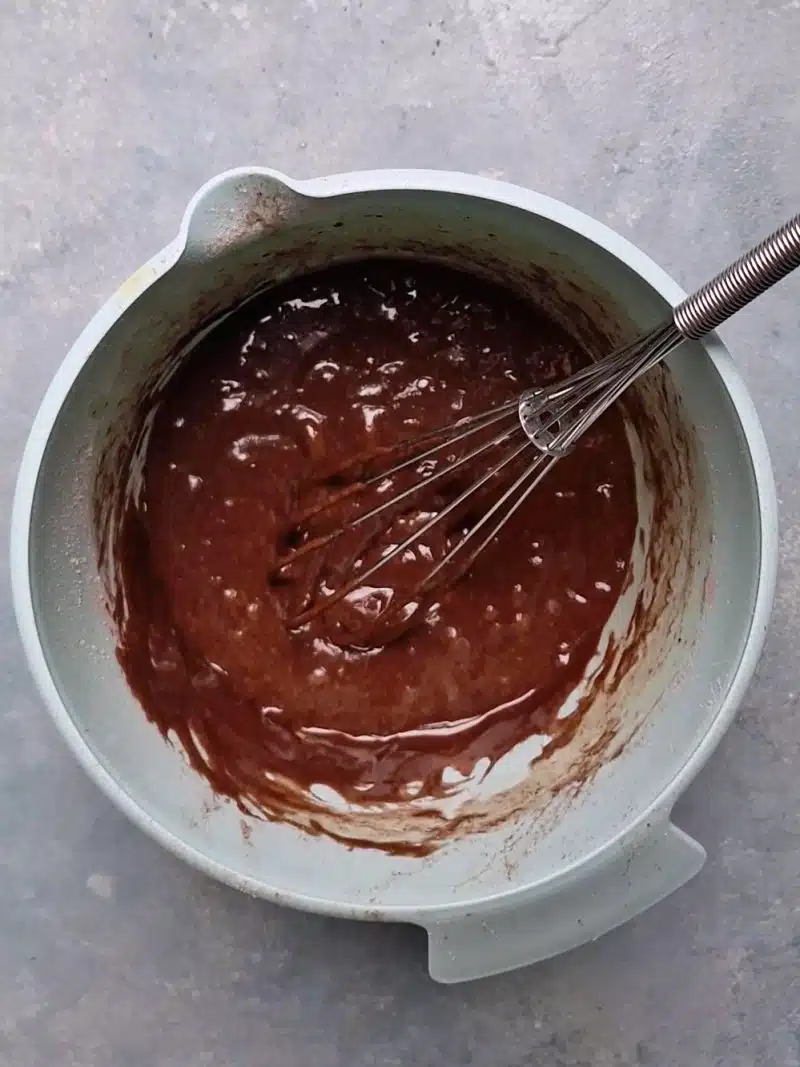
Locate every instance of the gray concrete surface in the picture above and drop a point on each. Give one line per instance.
(675, 122)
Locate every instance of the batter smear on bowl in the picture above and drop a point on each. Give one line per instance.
(257, 425)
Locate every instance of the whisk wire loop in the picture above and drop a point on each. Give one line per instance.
(469, 426)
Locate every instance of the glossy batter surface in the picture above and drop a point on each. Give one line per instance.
(270, 407)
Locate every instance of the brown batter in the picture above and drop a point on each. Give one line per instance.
(271, 403)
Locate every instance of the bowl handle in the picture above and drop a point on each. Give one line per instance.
(569, 915)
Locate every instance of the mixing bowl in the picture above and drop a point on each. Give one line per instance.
(560, 849)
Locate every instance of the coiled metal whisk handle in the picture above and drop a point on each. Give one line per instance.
(741, 282)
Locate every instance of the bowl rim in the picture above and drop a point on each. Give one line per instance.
(390, 180)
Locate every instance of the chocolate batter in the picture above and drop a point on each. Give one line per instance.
(289, 399)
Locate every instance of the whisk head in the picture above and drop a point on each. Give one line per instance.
(438, 500)
(432, 503)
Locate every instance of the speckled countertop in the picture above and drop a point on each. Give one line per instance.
(677, 123)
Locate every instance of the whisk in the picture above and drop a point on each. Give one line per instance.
(531, 432)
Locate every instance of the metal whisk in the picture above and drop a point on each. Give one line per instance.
(530, 432)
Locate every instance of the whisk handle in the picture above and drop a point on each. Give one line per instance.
(752, 274)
